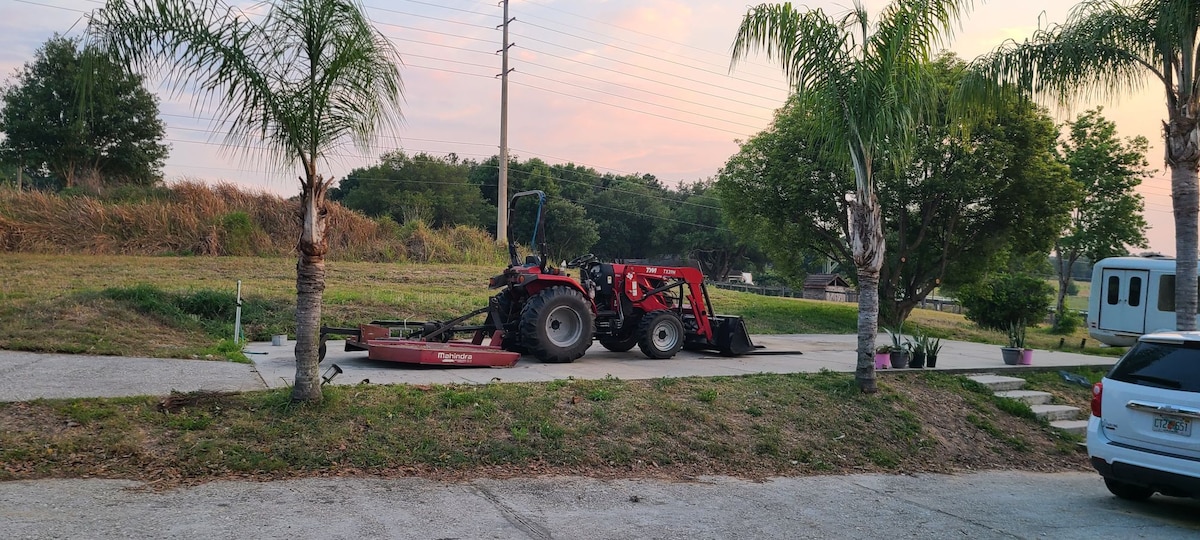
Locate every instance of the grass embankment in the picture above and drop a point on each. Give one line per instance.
(181, 306)
(191, 218)
(750, 426)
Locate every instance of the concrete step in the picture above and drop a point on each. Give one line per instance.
(1055, 412)
(1032, 397)
(998, 383)
(1078, 427)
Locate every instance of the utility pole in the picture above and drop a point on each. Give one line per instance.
(502, 185)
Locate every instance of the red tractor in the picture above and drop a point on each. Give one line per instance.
(544, 313)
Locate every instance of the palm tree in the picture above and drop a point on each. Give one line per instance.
(869, 85)
(1107, 48)
(300, 80)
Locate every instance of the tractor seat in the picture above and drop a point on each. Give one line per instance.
(602, 275)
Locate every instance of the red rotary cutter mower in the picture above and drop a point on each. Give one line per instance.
(542, 312)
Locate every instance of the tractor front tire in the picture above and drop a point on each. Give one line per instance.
(661, 334)
(556, 325)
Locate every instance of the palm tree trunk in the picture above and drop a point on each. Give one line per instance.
(1185, 205)
(867, 247)
(310, 289)
(1183, 155)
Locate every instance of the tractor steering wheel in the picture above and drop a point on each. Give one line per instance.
(581, 260)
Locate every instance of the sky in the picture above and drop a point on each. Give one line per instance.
(622, 86)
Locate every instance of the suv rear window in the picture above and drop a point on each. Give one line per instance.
(1161, 365)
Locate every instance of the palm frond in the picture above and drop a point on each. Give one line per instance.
(301, 78)
(1104, 49)
(873, 81)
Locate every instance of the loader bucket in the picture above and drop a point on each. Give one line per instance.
(730, 335)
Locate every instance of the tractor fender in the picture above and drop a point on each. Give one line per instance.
(544, 281)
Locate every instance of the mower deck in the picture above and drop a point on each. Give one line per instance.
(453, 353)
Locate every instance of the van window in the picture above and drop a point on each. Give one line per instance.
(1135, 291)
(1166, 293)
(1114, 290)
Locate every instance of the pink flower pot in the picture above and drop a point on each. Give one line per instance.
(1027, 357)
(882, 360)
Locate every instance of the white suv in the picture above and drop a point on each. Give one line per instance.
(1144, 433)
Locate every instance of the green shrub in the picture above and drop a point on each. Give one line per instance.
(237, 233)
(211, 311)
(1007, 299)
(1066, 322)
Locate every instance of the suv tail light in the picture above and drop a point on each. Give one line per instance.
(1097, 395)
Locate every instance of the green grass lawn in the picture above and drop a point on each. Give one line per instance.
(183, 306)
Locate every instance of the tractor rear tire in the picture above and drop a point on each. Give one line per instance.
(616, 344)
(556, 325)
(661, 334)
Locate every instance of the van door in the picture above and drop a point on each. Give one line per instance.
(1123, 300)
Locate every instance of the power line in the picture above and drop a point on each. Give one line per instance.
(642, 101)
(740, 134)
(635, 66)
(630, 30)
(660, 59)
(685, 45)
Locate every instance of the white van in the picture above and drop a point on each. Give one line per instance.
(1131, 296)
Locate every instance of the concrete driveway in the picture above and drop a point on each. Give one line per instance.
(791, 353)
(26, 376)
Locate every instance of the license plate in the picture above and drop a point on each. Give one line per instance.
(1174, 425)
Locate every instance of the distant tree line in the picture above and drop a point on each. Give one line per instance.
(632, 216)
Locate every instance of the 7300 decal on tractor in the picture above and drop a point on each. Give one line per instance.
(544, 313)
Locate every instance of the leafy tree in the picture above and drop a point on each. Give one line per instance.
(429, 188)
(959, 206)
(965, 201)
(301, 79)
(1005, 300)
(632, 218)
(1107, 48)
(788, 195)
(1107, 217)
(703, 234)
(627, 213)
(74, 113)
(569, 231)
(863, 80)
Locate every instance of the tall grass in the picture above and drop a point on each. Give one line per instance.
(193, 218)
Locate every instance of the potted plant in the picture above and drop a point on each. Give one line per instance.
(883, 355)
(900, 349)
(1016, 343)
(932, 348)
(919, 349)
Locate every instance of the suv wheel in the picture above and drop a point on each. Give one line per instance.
(1128, 491)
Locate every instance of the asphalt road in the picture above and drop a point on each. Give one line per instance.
(976, 506)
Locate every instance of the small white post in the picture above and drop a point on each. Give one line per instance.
(237, 318)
